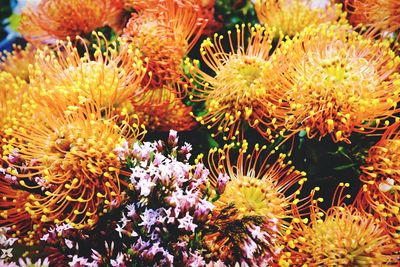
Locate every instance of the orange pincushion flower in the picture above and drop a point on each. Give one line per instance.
(77, 161)
(140, 5)
(382, 14)
(161, 110)
(107, 79)
(17, 61)
(57, 19)
(381, 178)
(330, 80)
(292, 16)
(165, 34)
(252, 193)
(206, 8)
(13, 201)
(233, 95)
(345, 237)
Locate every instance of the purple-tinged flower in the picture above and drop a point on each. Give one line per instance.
(68, 243)
(222, 180)
(185, 150)
(8, 264)
(249, 248)
(122, 149)
(149, 218)
(131, 210)
(28, 263)
(78, 261)
(158, 159)
(196, 259)
(218, 263)
(173, 138)
(119, 261)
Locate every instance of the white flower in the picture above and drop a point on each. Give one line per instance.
(145, 185)
(124, 220)
(187, 223)
(78, 261)
(131, 210)
(68, 243)
(119, 261)
(10, 241)
(28, 263)
(120, 230)
(6, 253)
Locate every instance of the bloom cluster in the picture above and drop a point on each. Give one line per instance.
(168, 207)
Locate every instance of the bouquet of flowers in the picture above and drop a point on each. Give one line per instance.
(288, 151)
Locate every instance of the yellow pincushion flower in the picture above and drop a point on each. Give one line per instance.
(16, 108)
(381, 178)
(330, 80)
(292, 16)
(17, 62)
(345, 237)
(110, 77)
(233, 94)
(77, 163)
(253, 193)
(50, 20)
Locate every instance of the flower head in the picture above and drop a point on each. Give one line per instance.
(341, 237)
(17, 61)
(106, 79)
(75, 161)
(206, 8)
(16, 108)
(384, 14)
(50, 20)
(13, 203)
(331, 80)
(381, 178)
(232, 95)
(292, 16)
(13, 92)
(161, 110)
(164, 34)
(253, 208)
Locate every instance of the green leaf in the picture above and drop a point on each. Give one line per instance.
(345, 167)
